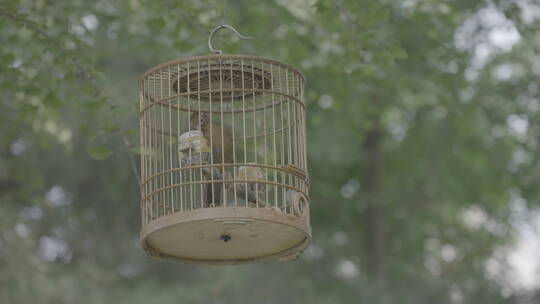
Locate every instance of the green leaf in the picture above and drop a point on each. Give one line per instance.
(123, 110)
(130, 132)
(321, 7)
(94, 105)
(52, 101)
(157, 23)
(7, 59)
(136, 150)
(111, 128)
(100, 152)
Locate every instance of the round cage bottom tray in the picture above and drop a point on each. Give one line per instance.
(226, 235)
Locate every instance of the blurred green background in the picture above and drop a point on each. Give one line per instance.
(423, 133)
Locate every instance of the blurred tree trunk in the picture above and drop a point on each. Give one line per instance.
(373, 214)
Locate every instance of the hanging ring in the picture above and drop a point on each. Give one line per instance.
(219, 28)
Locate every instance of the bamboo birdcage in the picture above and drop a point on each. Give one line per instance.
(223, 160)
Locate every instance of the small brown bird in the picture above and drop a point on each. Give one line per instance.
(220, 138)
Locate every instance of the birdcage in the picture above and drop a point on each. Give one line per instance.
(223, 160)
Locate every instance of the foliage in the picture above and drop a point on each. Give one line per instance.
(423, 148)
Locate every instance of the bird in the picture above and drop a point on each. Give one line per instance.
(251, 191)
(220, 138)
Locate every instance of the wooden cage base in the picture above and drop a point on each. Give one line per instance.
(226, 235)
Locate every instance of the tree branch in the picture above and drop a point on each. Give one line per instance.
(85, 72)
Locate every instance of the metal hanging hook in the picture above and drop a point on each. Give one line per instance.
(215, 30)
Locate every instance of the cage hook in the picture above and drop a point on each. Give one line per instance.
(215, 30)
